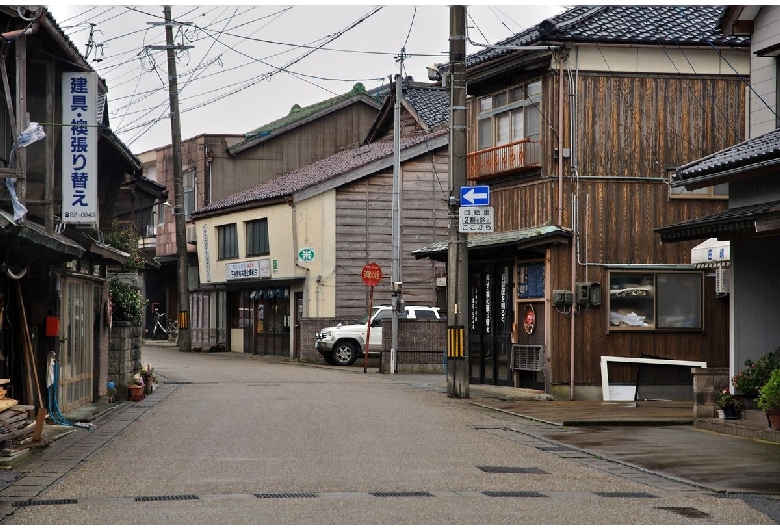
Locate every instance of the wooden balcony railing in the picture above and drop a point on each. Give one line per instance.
(523, 154)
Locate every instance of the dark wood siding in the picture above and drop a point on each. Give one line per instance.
(364, 233)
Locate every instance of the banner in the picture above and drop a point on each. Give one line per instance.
(79, 148)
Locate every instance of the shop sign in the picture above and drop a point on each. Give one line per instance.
(248, 270)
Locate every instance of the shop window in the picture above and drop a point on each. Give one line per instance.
(646, 301)
(227, 240)
(257, 238)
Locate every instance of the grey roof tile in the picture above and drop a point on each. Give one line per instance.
(668, 25)
(762, 150)
(319, 171)
(432, 104)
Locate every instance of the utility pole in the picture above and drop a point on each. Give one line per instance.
(457, 253)
(185, 339)
(395, 273)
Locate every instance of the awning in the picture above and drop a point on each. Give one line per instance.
(518, 239)
(34, 233)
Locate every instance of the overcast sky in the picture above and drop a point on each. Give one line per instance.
(249, 64)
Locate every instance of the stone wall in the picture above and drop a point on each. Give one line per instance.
(421, 346)
(707, 384)
(310, 326)
(124, 355)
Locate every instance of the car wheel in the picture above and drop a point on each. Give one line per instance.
(328, 358)
(345, 353)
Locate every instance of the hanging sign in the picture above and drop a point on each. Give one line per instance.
(79, 148)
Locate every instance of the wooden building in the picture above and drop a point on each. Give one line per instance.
(53, 288)
(576, 131)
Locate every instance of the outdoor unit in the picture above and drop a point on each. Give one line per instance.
(722, 281)
(192, 236)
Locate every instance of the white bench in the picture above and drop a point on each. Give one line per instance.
(606, 394)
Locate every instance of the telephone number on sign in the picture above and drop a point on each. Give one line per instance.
(83, 215)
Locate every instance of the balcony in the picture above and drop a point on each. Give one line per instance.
(494, 161)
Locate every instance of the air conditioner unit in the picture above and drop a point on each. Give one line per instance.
(722, 281)
(192, 236)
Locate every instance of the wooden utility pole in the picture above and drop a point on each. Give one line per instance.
(457, 254)
(185, 339)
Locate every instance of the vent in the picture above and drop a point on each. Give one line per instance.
(505, 469)
(192, 236)
(401, 494)
(285, 495)
(46, 502)
(527, 357)
(513, 494)
(722, 281)
(167, 498)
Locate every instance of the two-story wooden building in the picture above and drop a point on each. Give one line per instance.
(58, 195)
(574, 124)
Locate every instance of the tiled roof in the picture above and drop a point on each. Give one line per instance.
(650, 25)
(315, 173)
(720, 223)
(432, 104)
(758, 152)
(531, 236)
(300, 114)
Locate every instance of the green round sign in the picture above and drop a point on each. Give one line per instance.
(306, 255)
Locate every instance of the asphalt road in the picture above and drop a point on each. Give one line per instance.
(231, 439)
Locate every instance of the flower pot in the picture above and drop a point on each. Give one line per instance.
(136, 392)
(773, 416)
(730, 413)
(721, 414)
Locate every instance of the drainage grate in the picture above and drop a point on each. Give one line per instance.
(42, 502)
(505, 469)
(285, 495)
(167, 498)
(401, 494)
(626, 494)
(513, 494)
(686, 511)
(553, 448)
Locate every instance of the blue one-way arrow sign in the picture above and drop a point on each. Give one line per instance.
(474, 195)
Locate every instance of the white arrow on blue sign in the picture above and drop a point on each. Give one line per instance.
(474, 195)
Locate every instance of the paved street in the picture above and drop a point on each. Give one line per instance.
(231, 439)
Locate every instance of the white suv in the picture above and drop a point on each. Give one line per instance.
(341, 345)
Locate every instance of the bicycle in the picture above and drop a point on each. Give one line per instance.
(170, 332)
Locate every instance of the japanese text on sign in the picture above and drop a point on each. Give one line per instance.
(478, 219)
(79, 148)
(371, 274)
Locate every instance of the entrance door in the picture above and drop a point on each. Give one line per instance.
(490, 323)
(272, 329)
(298, 318)
(76, 355)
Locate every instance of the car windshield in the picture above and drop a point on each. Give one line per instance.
(364, 319)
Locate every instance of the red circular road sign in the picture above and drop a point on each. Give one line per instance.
(371, 274)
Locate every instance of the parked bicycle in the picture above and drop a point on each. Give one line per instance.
(164, 328)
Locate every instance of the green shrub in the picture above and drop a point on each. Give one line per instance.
(769, 395)
(749, 380)
(127, 303)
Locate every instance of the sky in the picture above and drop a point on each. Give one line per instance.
(242, 66)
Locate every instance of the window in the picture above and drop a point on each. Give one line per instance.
(718, 191)
(257, 238)
(643, 301)
(161, 213)
(510, 115)
(188, 178)
(227, 239)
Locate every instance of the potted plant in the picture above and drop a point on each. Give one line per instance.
(750, 379)
(147, 374)
(730, 404)
(135, 388)
(769, 399)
